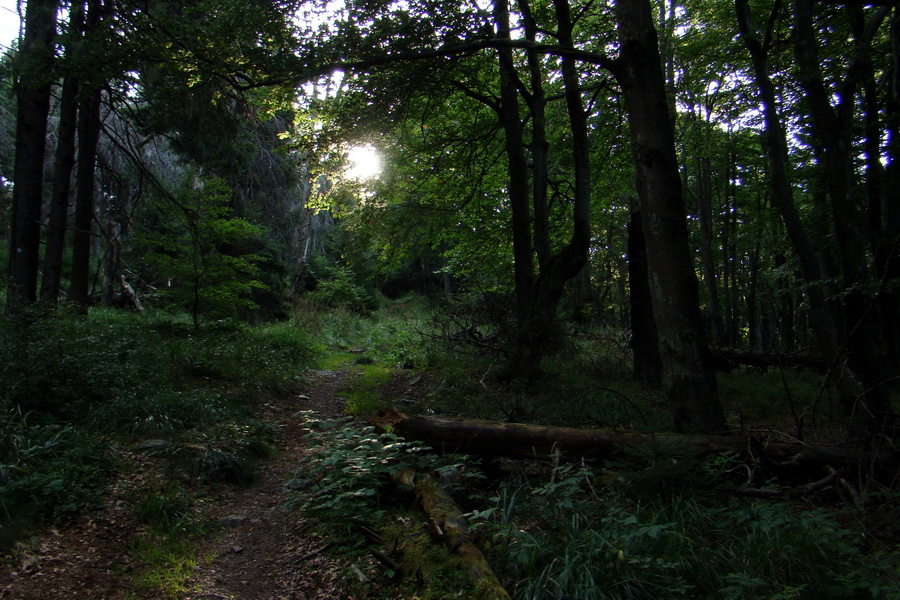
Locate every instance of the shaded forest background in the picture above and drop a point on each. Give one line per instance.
(666, 189)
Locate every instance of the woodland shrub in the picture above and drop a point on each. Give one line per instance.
(337, 286)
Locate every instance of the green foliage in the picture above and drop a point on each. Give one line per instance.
(71, 385)
(47, 472)
(351, 469)
(336, 286)
(167, 510)
(195, 248)
(573, 537)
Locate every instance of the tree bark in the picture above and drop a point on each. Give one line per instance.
(644, 335)
(517, 169)
(774, 141)
(833, 127)
(62, 186)
(451, 528)
(560, 267)
(33, 99)
(88, 137)
(518, 440)
(688, 377)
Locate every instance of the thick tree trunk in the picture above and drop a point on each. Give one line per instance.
(33, 97)
(517, 169)
(688, 377)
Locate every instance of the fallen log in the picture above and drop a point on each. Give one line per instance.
(448, 526)
(727, 360)
(519, 440)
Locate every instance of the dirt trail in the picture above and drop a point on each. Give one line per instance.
(259, 552)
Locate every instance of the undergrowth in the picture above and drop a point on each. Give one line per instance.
(74, 389)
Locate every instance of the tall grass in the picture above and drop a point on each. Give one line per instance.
(576, 537)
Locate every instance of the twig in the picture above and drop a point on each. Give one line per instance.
(386, 560)
(314, 553)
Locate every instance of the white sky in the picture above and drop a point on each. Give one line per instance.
(9, 23)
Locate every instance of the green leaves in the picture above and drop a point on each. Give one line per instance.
(197, 249)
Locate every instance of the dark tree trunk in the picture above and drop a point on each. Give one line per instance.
(519, 440)
(531, 339)
(774, 141)
(62, 186)
(688, 376)
(644, 336)
(33, 98)
(88, 137)
(517, 168)
(833, 127)
(707, 226)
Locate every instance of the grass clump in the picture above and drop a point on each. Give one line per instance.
(574, 537)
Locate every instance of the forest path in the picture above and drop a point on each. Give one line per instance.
(265, 551)
(255, 548)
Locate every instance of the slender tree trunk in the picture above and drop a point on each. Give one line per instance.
(62, 186)
(710, 276)
(774, 141)
(33, 98)
(688, 376)
(517, 168)
(88, 137)
(834, 128)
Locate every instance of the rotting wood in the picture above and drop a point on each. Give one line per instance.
(518, 440)
(447, 519)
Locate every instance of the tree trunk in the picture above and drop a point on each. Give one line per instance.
(688, 377)
(710, 277)
(531, 339)
(62, 186)
(517, 169)
(833, 127)
(450, 526)
(33, 98)
(88, 137)
(518, 440)
(774, 141)
(644, 336)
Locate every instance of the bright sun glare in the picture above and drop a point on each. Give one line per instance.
(365, 162)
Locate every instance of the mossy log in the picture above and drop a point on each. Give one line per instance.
(518, 440)
(448, 525)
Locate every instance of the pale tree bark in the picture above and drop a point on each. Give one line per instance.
(32, 89)
(688, 376)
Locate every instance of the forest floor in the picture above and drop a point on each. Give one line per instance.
(255, 549)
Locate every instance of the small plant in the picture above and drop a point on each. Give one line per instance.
(351, 470)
